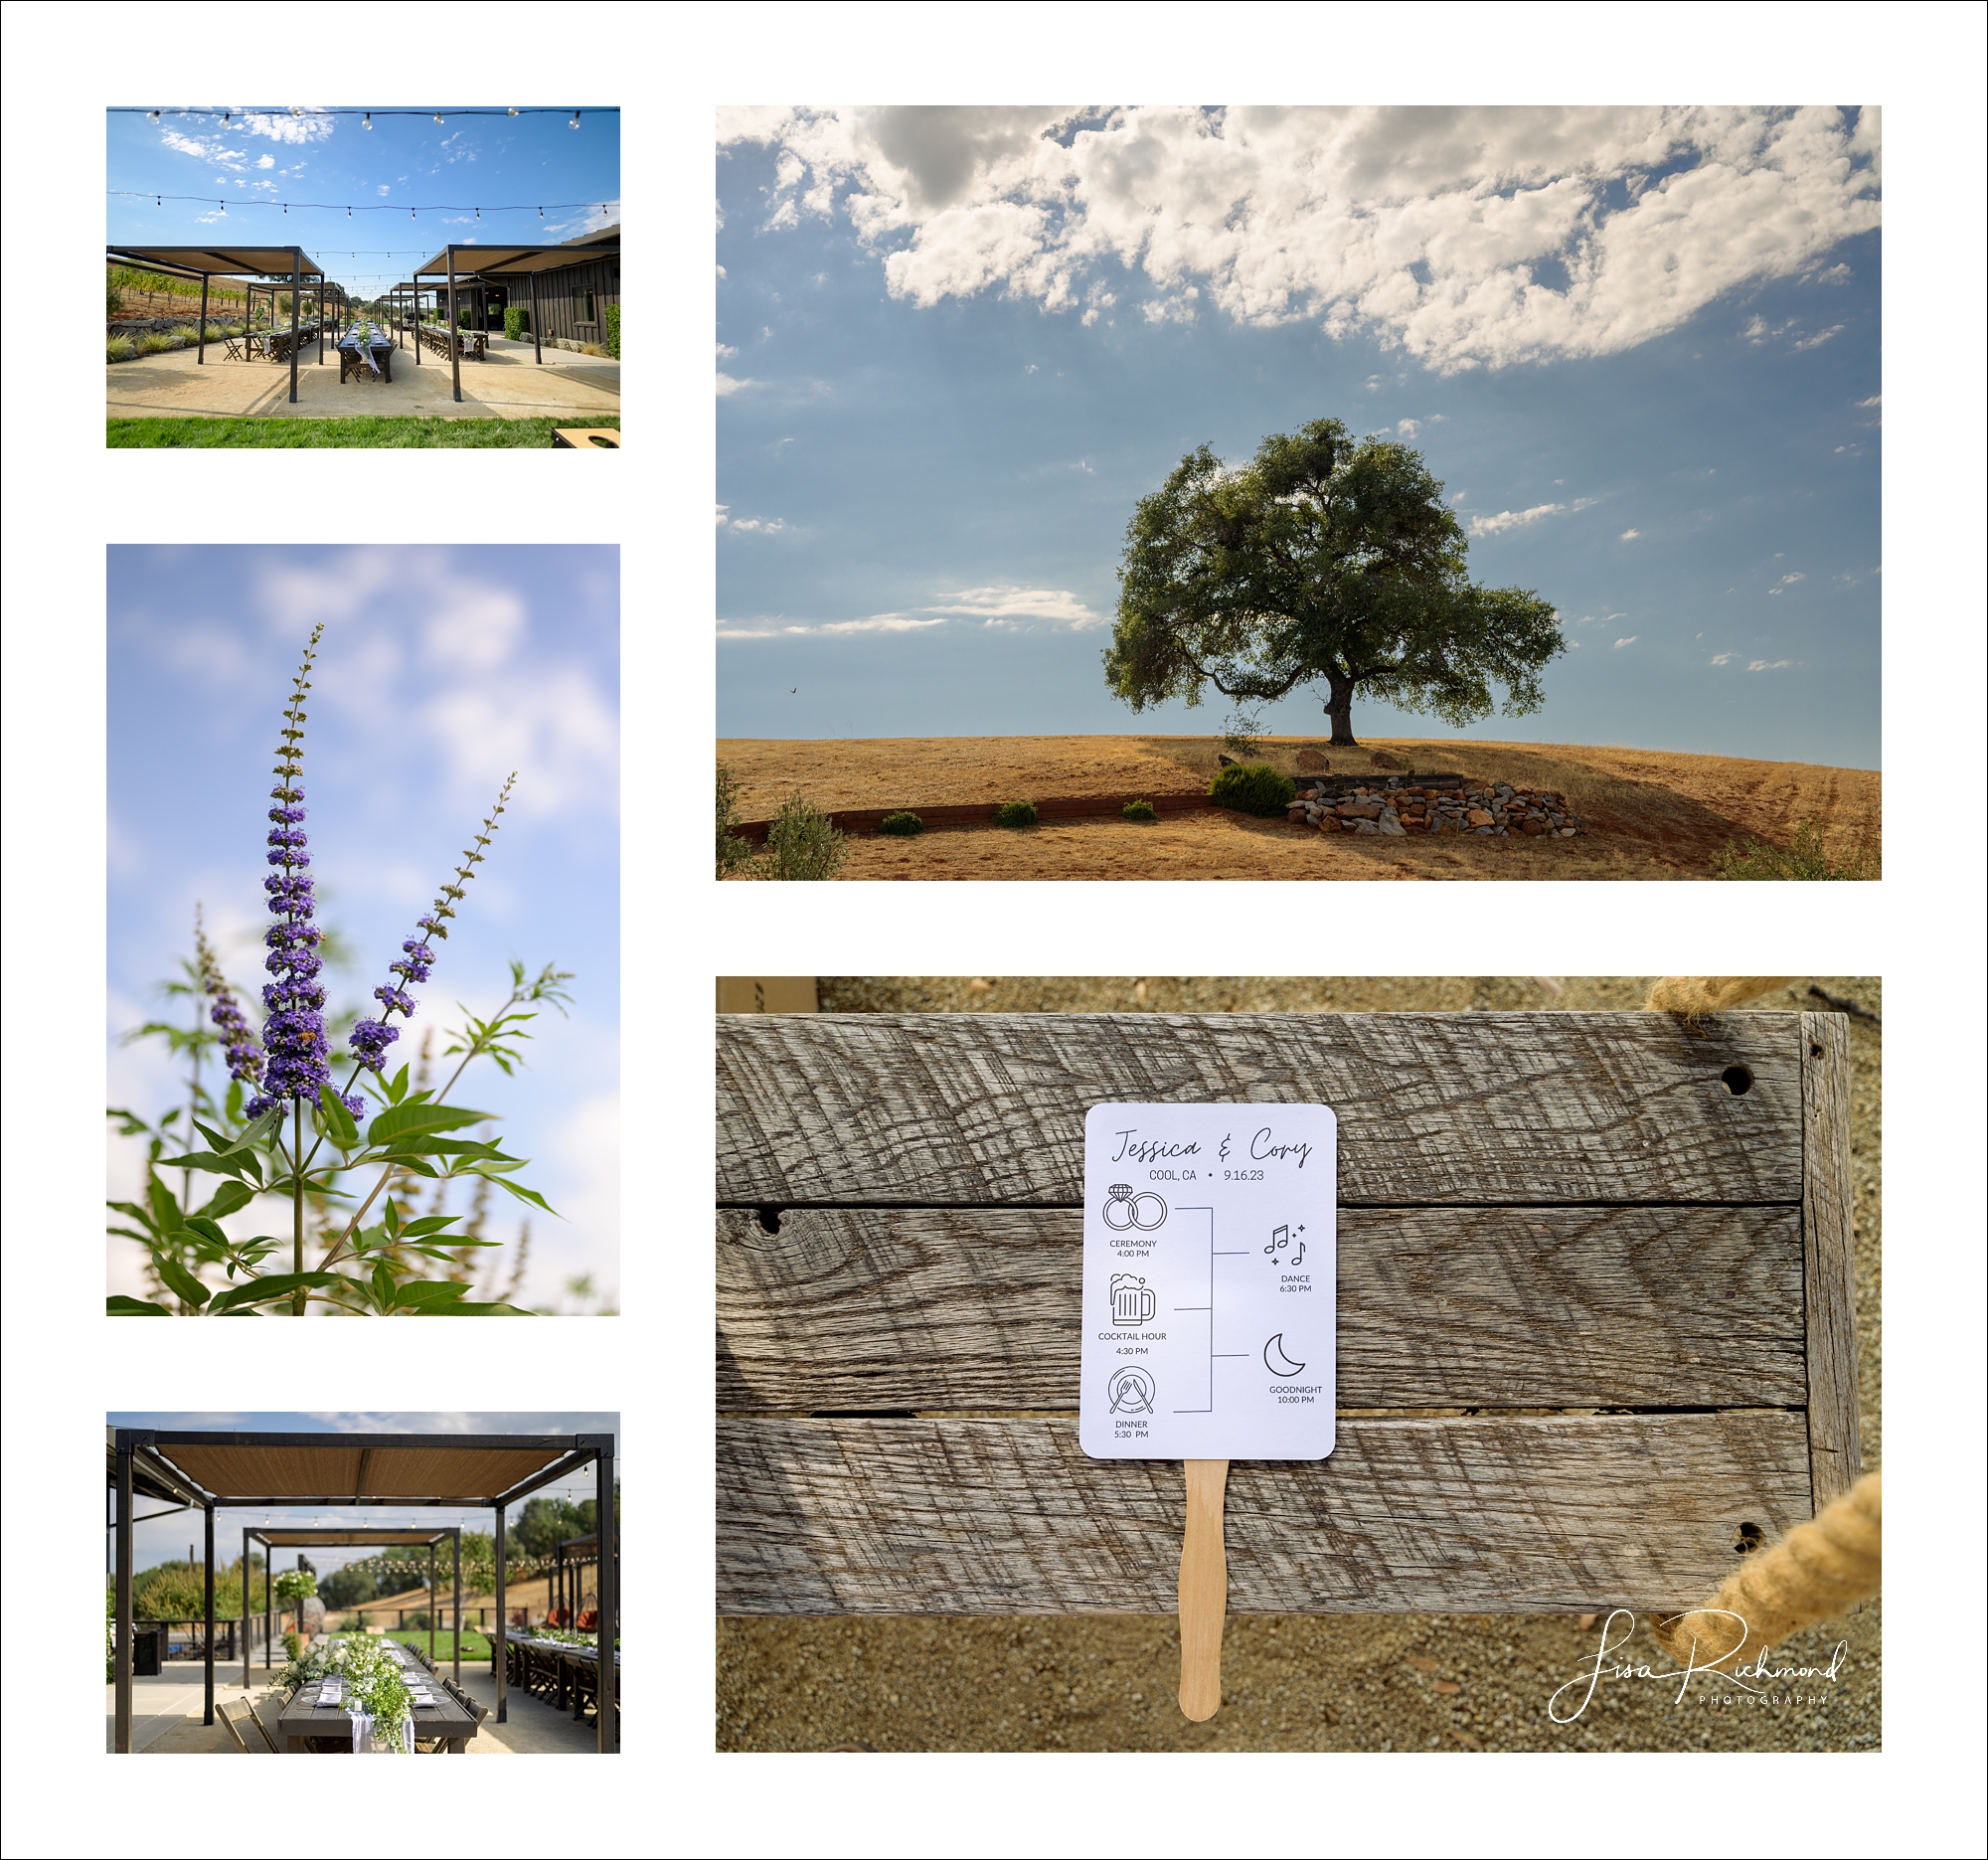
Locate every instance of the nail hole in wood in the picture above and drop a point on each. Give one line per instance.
(1747, 1539)
(769, 1220)
(1737, 1080)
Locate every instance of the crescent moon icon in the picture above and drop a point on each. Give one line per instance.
(1276, 1362)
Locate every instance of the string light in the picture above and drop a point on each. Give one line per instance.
(574, 124)
(510, 112)
(369, 121)
(152, 117)
(438, 116)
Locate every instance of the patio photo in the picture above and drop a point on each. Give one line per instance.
(363, 1029)
(417, 1584)
(344, 300)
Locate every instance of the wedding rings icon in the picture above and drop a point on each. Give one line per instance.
(1123, 1208)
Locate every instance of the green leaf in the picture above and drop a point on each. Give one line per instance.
(276, 1286)
(165, 1210)
(523, 1193)
(398, 1090)
(183, 1284)
(337, 1119)
(229, 1197)
(473, 1310)
(429, 1224)
(208, 1230)
(205, 1159)
(134, 1307)
(419, 1119)
(390, 1218)
(422, 1292)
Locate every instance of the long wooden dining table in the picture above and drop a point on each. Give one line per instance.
(305, 1714)
(575, 1669)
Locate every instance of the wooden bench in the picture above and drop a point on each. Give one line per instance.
(1596, 1334)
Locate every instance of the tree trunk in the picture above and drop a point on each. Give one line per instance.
(1339, 707)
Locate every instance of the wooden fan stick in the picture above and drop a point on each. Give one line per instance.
(1204, 1589)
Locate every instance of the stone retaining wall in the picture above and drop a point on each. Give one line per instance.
(1432, 804)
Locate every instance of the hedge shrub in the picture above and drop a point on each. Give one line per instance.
(1139, 811)
(517, 320)
(614, 330)
(1253, 788)
(904, 823)
(1015, 814)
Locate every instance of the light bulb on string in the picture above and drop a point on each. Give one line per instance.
(152, 116)
(574, 124)
(367, 124)
(438, 116)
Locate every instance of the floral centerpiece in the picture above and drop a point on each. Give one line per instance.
(294, 1586)
(375, 1692)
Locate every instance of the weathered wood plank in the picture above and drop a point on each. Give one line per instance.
(987, 1109)
(1828, 1251)
(1493, 1308)
(1521, 1515)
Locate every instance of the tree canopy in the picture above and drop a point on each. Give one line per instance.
(1325, 560)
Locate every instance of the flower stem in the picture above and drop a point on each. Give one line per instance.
(297, 1201)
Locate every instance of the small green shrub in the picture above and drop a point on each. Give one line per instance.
(517, 321)
(113, 299)
(1253, 788)
(902, 824)
(732, 852)
(119, 349)
(1805, 858)
(293, 1646)
(216, 332)
(155, 342)
(1240, 733)
(802, 843)
(614, 318)
(185, 337)
(1015, 814)
(1139, 811)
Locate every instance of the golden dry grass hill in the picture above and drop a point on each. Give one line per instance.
(1651, 813)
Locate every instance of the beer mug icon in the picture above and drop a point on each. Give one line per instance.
(1133, 1299)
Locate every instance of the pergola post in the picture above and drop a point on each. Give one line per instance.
(209, 1512)
(200, 348)
(455, 344)
(432, 1605)
(248, 1602)
(500, 1648)
(268, 1617)
(297, 290)
(607, 1588)
(418, 323)
(455, 1620)
(538, 350)
(320, 321)
(123, 1740)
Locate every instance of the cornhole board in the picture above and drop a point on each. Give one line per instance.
(1594, 1286)
(586, 439)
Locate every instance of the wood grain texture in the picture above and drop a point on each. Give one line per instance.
(1204, 1589)
(1508, 1515)
(1828, 1253)
(987, 1109)
(1492, 1307)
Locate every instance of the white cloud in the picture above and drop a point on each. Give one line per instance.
(1788, 580)
(1817, 340)
(1430, 227)
(729, 383)
(1407, 428)
(1511, 519)
(764, 525)
(1630, 640)
(1776, 665)
(1876, 400)
(1723, 658)
(1000, 605)
(1629, 536)
(265, 161)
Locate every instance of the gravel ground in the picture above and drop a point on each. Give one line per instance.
(1387, 1682)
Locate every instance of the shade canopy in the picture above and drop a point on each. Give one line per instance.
(220, 260)
(149, 1478)
(499, 262)
(366, 1468)
(331, 1540)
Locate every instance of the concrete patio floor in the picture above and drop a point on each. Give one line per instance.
(508, 385)
(166, 1713)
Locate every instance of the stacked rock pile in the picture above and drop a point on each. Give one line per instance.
(1434, 804)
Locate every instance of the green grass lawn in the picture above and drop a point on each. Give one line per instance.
(474, 1645)
(374, 429)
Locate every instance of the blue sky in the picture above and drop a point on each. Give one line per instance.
(383, 199)
(166, 1539)
(1640, 348)
(440, 671)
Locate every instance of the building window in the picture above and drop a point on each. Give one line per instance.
(587, 307)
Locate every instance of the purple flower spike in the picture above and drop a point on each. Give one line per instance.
(244, 1054)
(369, 1039)
(293, 1038)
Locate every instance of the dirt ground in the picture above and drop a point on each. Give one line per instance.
(1651, 814)
(1345, 1682)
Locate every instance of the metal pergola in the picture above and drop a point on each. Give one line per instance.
(569, 1557)
(209, 1472)
(207, 263)
(502, 264)
(330, 1540)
